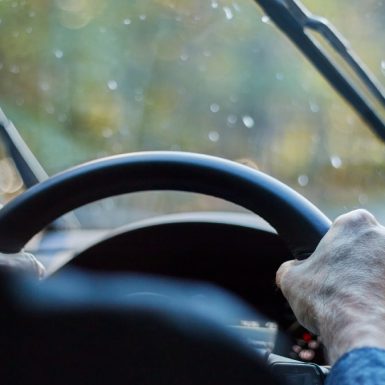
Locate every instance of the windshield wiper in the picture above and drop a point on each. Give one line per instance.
(29, 168)
(294, 20)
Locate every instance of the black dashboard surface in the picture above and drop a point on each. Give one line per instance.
(236, 251)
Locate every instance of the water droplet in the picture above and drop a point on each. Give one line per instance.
(279, 76)
(142, 17)
(62, 118)
(58, 53)
(303, 180)
(214, 136)
(350, 120)
(232, 119)
(206, 53)
(265, 19)
(112, 85)
(236, 7)
(335, 161)
(32, 14)
(107, 132)
(184, 57)
(214, 107)
(29, 30)
(363, 199)
(19, 101)
(228, 13)
(102, 29)
(314, 107)
(383, 67)
(214, 4)
(127, 21)
(248, 121)
(14, 69)
(50, 109)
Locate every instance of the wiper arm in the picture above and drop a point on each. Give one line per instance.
(338, 43)
(29, 168)
(294, 19)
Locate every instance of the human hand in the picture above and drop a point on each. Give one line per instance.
(22, 262)
(339, 291)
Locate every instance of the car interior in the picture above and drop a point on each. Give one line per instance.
(160, 159)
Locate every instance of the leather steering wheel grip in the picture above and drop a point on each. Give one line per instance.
(297, 221)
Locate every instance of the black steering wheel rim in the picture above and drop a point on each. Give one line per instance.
(297, 221)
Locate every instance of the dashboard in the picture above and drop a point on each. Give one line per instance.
(235, 251)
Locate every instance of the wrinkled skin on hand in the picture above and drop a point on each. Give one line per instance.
(339, 291)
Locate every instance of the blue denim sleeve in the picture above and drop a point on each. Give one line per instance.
(363, 366)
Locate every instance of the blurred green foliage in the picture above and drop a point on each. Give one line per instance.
(83, 79)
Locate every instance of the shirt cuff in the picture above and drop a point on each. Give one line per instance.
(359, 366)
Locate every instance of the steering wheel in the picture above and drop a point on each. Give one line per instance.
(297, 221)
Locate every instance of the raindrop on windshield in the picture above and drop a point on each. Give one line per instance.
(62, 118)
(228, 13)
(214, 107)
(44, 86)
(303, 180)
(335, 161)
(20, 101)
(265, 19)
(50, 109)
(126, 21)
(58, 53)
(363, 199)
(29, 30)
(248, 121)
(232, 119)
(214, 136)
(383, 67)
(142, 17)
(184, 57)
(279, 76)
(112, 85)
(214, 4)
(314, 107)
(14, 69)
(236, 7)
(107, 132)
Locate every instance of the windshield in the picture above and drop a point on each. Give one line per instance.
(82, 79)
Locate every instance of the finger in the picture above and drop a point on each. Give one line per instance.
(282, 271)
(356, 218)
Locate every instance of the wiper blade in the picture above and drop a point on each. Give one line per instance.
(29, 168)
(294, 20)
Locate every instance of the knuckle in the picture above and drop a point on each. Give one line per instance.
(281, 275)
(359, 217)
